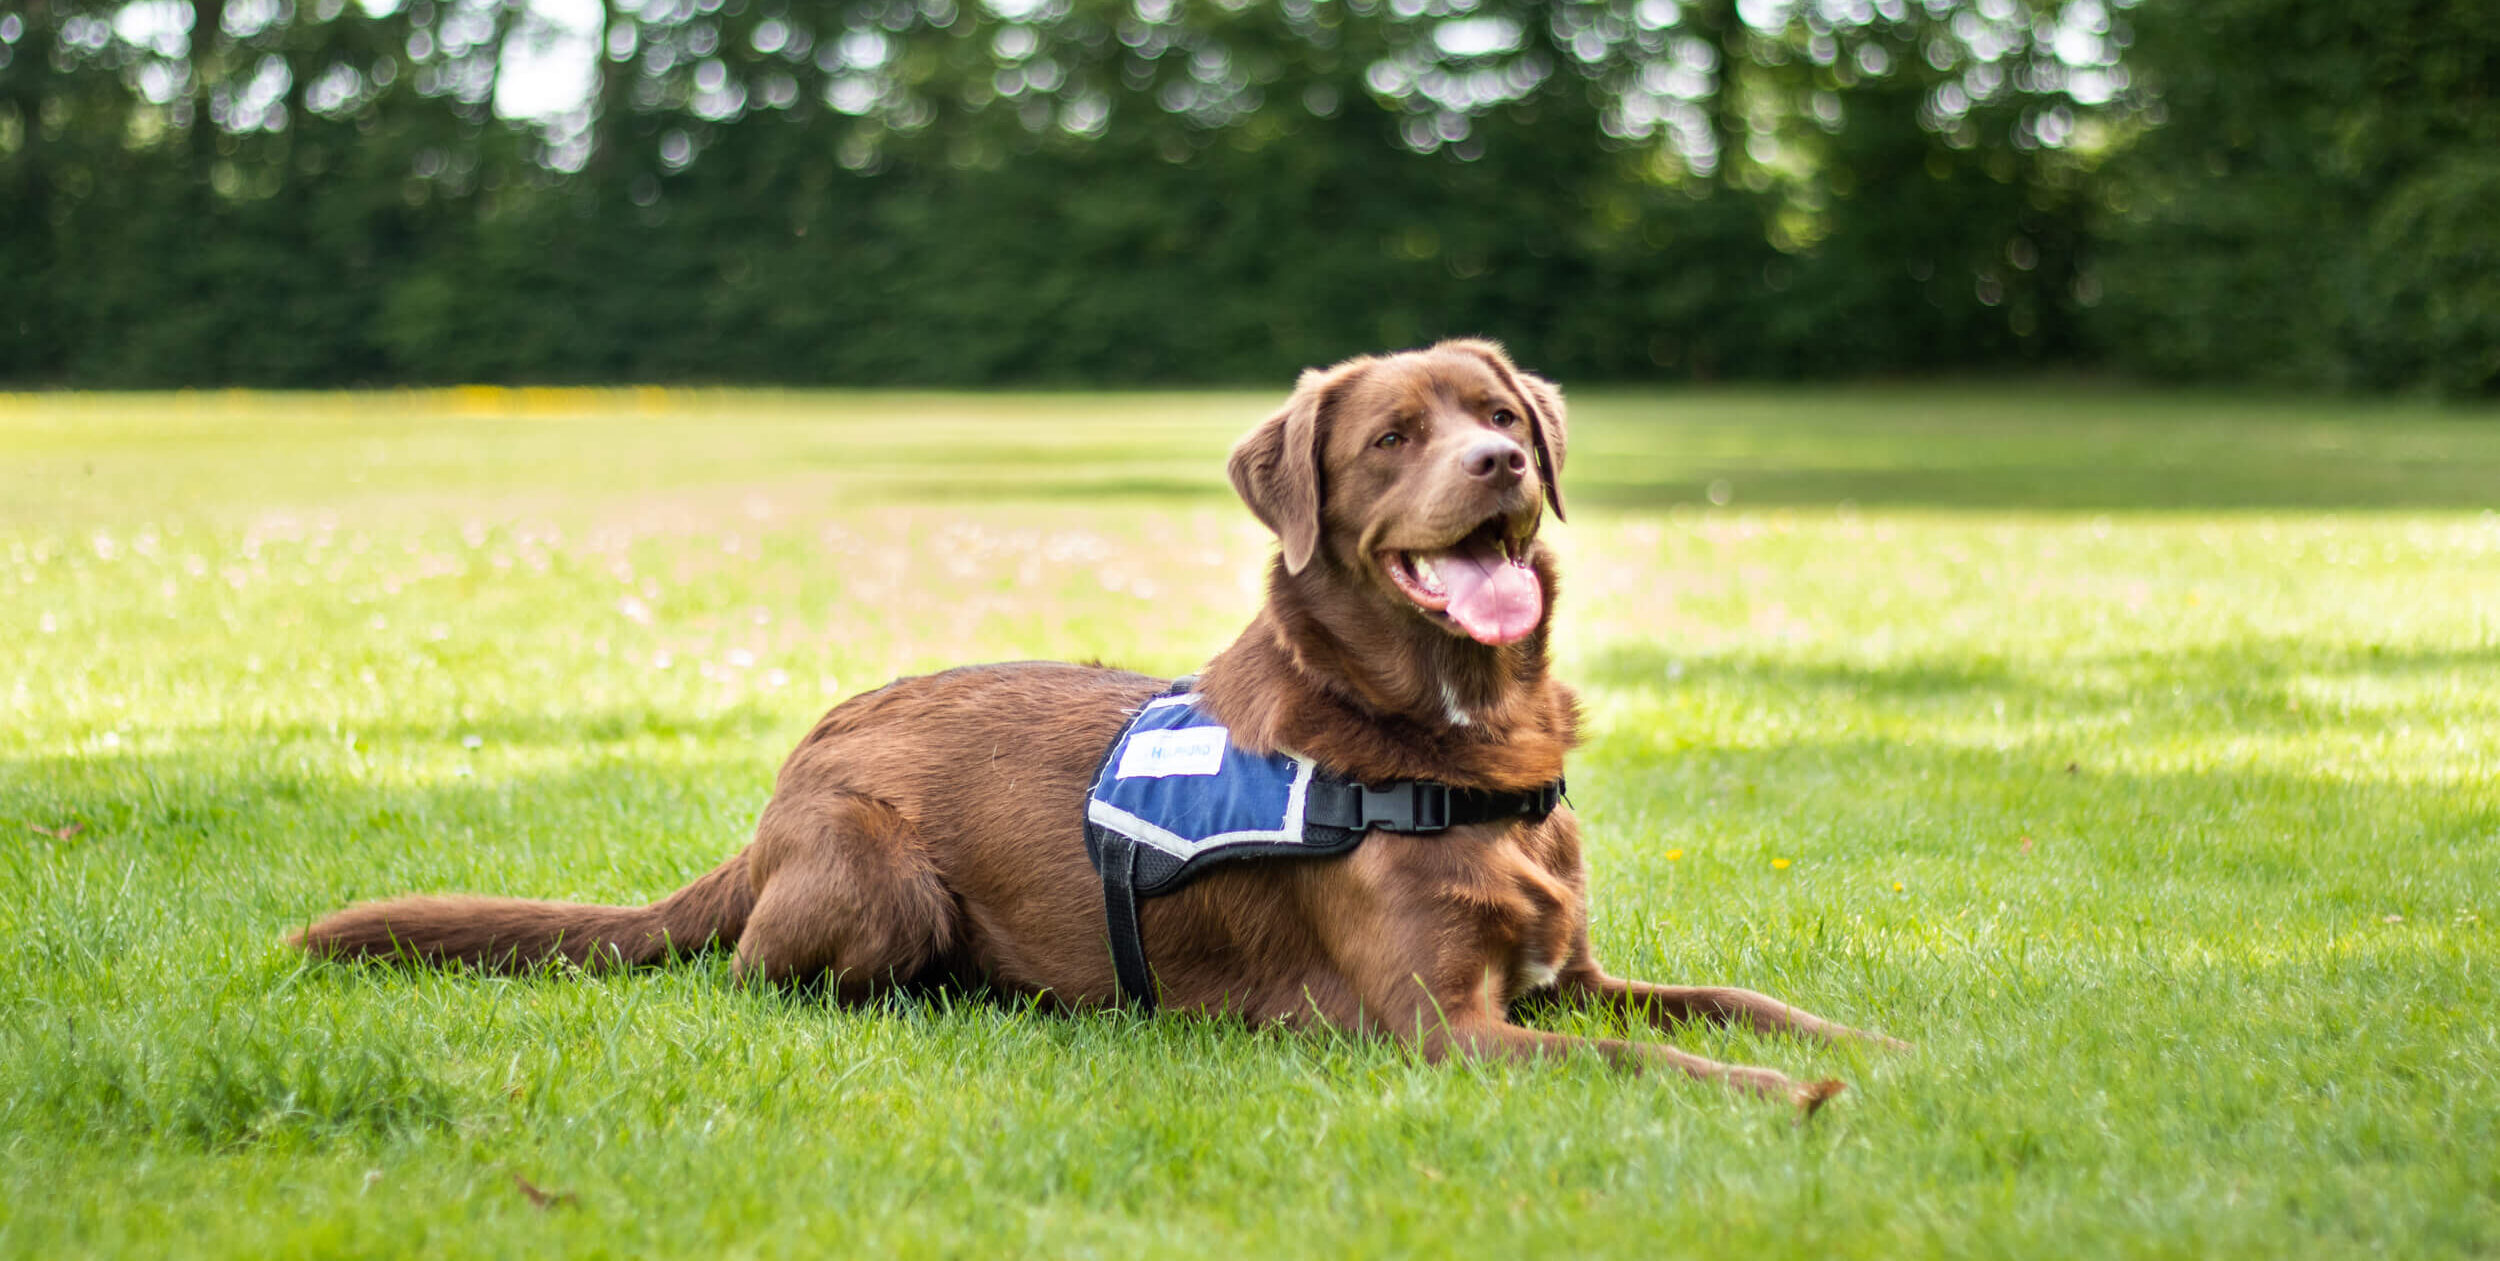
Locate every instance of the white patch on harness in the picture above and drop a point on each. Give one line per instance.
(1187, 751)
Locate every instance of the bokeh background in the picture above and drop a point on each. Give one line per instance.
(343, 192)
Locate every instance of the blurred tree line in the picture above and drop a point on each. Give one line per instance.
(313, 192)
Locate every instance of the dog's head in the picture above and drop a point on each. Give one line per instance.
(1422, 476)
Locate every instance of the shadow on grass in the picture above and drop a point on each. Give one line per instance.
(1997, 756)
(2243, 687)
(2054, 487)
(289, 828)
(178, 844)
(2084, 483)
(2035, 451)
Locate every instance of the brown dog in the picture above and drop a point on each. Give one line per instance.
(931, 831)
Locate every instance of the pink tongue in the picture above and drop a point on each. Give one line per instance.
(1492, 599)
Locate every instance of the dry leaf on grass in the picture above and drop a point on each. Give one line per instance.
(543, 1199)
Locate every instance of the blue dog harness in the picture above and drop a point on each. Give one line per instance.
(1175, 796)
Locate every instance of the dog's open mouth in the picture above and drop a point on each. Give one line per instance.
(1482, 583)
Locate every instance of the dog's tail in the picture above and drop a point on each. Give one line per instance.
(509, 934)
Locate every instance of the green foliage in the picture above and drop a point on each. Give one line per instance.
(2427, 302)
(1077, 190)
(889, 191)
(2314, 207)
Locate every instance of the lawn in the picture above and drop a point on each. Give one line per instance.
(2132, 753)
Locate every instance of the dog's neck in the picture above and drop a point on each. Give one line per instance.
(1372, 690)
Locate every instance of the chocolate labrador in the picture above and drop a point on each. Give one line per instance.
(934, 830)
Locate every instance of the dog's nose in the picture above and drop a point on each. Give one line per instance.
(1494, 459)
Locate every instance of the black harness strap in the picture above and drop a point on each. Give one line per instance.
(1420, 805)
(1128, 930)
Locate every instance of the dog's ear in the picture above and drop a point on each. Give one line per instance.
(1546, 428)
(1275, 468)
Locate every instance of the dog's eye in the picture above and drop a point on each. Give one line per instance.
(1505, 417)
(1389, 440)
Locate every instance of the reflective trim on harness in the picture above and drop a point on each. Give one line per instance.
(1174, 796)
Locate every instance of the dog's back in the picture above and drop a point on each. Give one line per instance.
(989, 764)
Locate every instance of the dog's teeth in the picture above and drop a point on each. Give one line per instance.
(1429, 573)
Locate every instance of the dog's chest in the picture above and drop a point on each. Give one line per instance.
(1531, 933)
(1175, 797)
(1502, 912)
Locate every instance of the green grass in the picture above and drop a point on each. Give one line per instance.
(2134, 754)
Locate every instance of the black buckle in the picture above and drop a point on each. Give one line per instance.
(1547, 798)
(1410, 806)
